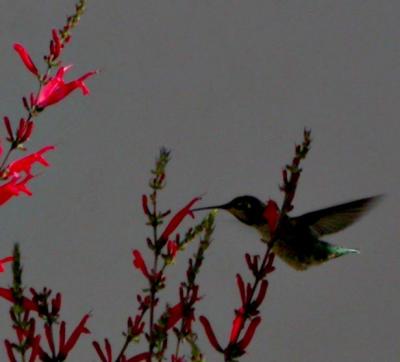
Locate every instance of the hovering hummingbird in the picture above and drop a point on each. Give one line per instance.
(299, 242)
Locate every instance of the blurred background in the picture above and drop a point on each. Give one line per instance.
(228, 86)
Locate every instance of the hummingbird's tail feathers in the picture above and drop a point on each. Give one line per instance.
(337, 251)
(338, 217)
(315, 253)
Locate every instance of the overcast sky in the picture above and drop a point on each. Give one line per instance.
(228, 86)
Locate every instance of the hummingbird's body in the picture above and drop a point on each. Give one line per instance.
(298, 242)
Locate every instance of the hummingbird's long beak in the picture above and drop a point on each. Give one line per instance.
(224, 206)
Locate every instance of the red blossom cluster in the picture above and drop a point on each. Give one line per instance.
(18, 174)
(51, 90)
(251, 295)
(26, 327)
(15, 175)
(156, 280)
(33, 343)
(164, 245)
(54, 89)
(135, 328)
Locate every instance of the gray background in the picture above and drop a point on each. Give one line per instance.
(228, 86)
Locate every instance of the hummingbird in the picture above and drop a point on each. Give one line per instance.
(298, 242)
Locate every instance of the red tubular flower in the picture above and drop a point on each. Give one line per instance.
(55, 45)
(7, 259)
(36, 350)
(10, 352)
(26, 59)
(177, 219)
(135, 327)
(7, 124)
(66, 347)
(144, 303)
(21, 334)
(13, 188)
(141, 357)
(104, 357)
(24, 130)
(249, 261)
(210, 334)
(56, 304)
(242, 345)
(32, 101)
(139, 263)
(261, 294)
(25, 103)
(252, 263)
(172, 248)
(269, 267)
(21, 185)
(177, 359)
(50, 338)
(27, 337)
(8, 190)
(272, 215)
(25, 164)
(242, 291)
(237, 326)
(145, 205)
(56, 89)
(27, 303)
(175, 314)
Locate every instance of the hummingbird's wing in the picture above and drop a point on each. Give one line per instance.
(335, 218)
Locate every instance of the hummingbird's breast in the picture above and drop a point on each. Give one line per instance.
(263, 230)
(287, 251)
(296, 245)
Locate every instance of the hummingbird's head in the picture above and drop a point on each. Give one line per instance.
(247, 209)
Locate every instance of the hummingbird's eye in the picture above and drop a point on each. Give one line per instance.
(244, 205)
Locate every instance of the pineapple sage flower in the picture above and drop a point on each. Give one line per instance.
(16, 183)
(54, 89)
